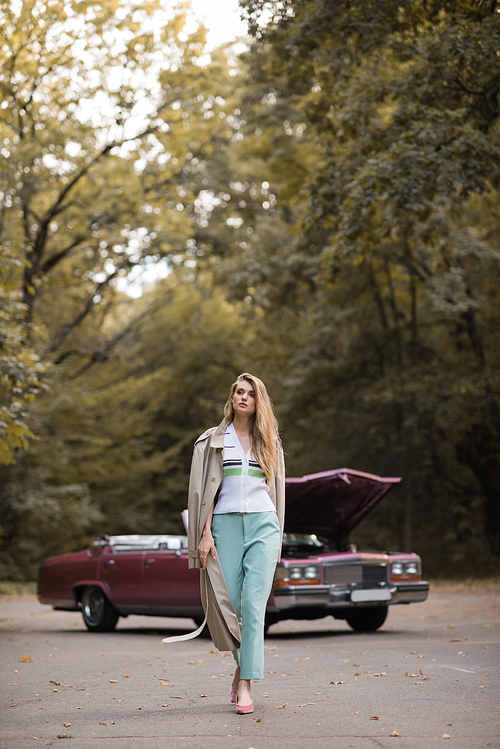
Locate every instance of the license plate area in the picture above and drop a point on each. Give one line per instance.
(362, 596)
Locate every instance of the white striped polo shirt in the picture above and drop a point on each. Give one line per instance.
(244, 487)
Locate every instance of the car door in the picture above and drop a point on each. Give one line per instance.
(122, 575)
(171, 588)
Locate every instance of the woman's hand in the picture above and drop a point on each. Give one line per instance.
(206, 547)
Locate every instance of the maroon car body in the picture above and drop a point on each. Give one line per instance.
(132, 574)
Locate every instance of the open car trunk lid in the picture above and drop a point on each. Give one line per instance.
(332, 503)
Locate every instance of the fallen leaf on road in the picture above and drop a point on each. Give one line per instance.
(203, 695)
(166, 705)
(274, 647)
(357, 674)
(481, 687)
(451, 626)
(394, 733)
(80, 708)
(280, 707)
(57, 683)
(425, 678)
(63, 736)
(271, 672)
(25, 659)
(126, 676)
(305, 704)
(56, 690)
(66, 725)
(446, 736)
(421, 656)
(163, 683)
(456, 639)
(374, 717)
(382, 673)
(257, 720)
(408, 674)
(337, 682)
(113, 681)
(103, 723)
(413, 652)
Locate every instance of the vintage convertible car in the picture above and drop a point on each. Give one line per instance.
(122, 575)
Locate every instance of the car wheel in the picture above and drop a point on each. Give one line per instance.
(268, 622)
(98, 614)
(367, 619)
(205, 632)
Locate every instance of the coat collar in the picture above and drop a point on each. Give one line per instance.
(217, 438)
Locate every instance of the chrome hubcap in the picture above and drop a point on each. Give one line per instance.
(93, 605)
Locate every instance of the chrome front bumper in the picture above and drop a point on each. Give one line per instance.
(330, 597)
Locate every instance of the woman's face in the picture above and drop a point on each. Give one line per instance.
(244, 398)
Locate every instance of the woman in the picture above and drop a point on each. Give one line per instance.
(236, 511)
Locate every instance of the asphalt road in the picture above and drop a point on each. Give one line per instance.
(431, 671)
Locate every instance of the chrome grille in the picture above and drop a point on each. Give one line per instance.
(368, 575)
(342, 575)
(374, 574)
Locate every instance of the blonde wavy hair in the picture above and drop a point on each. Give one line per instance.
(264, 429)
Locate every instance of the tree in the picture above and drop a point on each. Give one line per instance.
(21, 368)
(395, 252)
(108, 124)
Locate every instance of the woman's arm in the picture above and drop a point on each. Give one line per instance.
(207, 545)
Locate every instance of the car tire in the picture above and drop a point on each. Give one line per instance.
(268, 622)
(367, 619)
(98, 613)
(205, 632)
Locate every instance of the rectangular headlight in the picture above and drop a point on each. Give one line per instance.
(405, 570)
(297, 574)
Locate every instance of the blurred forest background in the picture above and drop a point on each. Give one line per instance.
(321, 209)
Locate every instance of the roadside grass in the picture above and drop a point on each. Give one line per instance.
(8, 588)
(466, 585)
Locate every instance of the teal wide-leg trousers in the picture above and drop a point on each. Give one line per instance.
(248, 546)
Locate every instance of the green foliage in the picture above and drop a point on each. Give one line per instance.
(326, 211)
(394, 251)
(21, 368)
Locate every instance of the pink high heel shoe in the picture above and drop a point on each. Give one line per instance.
(234, 695)
(244, 709)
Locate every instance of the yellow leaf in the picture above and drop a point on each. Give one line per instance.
(27, 660)
(257, 720)
(394, 733)
(374, 717)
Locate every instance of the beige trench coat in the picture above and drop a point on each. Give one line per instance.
(204, 482)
